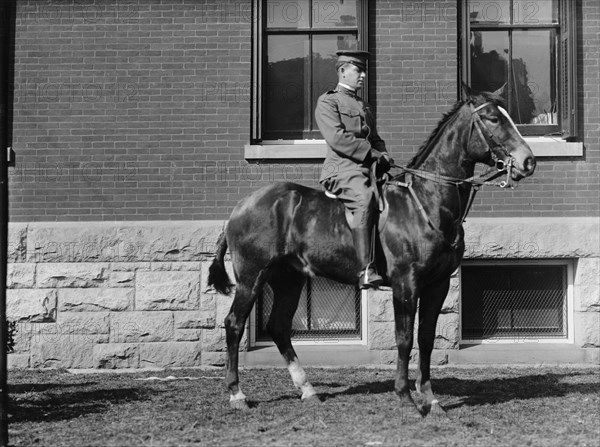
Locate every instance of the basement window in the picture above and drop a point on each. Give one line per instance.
(328, 312)
(515, 301)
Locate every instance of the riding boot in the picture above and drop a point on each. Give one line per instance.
(368, 276)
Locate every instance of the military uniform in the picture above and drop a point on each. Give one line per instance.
(348, 126)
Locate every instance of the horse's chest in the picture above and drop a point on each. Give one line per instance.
(442, 262)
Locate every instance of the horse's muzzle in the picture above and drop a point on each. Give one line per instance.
(529, 165)
(522, 168)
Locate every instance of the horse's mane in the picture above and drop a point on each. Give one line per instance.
(426, 147)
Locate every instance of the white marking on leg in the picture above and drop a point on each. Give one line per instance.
(299, 379)
(237, 396)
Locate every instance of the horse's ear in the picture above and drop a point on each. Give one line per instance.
(467, 91)
(500, 91)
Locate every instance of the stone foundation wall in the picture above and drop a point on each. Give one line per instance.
(125, 295)
(134, 295)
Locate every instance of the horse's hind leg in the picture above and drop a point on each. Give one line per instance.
(246, 293)
(287, 286)
(430, 305)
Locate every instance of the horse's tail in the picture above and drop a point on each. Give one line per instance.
(217, 275)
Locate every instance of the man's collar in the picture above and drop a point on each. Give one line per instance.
(347, 89)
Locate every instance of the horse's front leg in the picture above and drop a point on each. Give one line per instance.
(432, 299)
(405, 304)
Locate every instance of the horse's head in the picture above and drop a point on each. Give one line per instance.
(494, 138)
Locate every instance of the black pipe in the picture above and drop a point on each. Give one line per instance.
(7, 28)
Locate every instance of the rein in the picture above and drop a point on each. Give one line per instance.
(476, 182)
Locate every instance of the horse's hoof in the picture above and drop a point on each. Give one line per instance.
(239, 404)
(437, 410)
(312, 400)
(409, 412)
(433, 409)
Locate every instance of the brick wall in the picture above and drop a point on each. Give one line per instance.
(119, 106)
(140, 110)
(416, 80)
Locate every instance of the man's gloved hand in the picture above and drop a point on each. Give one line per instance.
(384, 161)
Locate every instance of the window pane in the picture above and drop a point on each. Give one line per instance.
(332, 14)
(334, 307)
(489, 60)
(324, 59)
(514, 301)
(533, 76)
(535, 12)
(489, 12)
(287, 13)
(297, 13)
(285, 87)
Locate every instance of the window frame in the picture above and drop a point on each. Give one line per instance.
(566, 129)
(254, 342)
(565, 146)
(310, 297)
(570, 301)
(295, 148)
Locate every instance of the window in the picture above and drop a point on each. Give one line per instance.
(524, 50)
(327, 311)
(517, 301)
(294, 61)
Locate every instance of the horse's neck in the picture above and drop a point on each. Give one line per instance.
(447, 156)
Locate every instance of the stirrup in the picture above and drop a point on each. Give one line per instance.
(369, 278)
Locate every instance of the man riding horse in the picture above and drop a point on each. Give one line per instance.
(353, 145)
(284, 232)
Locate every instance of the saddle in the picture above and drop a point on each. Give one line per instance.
(381, 204)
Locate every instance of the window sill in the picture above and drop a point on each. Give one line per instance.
(285, 150)
(554, 147)
(317, 149)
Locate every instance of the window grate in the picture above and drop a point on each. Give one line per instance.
(327, 310)
(516, 301)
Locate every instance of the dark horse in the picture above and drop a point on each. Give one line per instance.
(285, 231)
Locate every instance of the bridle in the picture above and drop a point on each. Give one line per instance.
(494, 146)
(500, 167)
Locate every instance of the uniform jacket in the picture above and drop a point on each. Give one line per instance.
(348, 126)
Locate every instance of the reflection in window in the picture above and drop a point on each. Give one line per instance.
(518, 62)
(529, 79)
(294, 80)
(489, 60)
(298, 65)
(534, 73)
(284, 90)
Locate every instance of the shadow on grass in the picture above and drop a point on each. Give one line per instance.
(41, 387)
(40, 405)
(472, 392)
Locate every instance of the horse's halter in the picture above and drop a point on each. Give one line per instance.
(494, 146)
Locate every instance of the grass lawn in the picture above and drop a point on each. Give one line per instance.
(538, 406)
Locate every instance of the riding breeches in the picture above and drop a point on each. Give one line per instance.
(354, 189)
